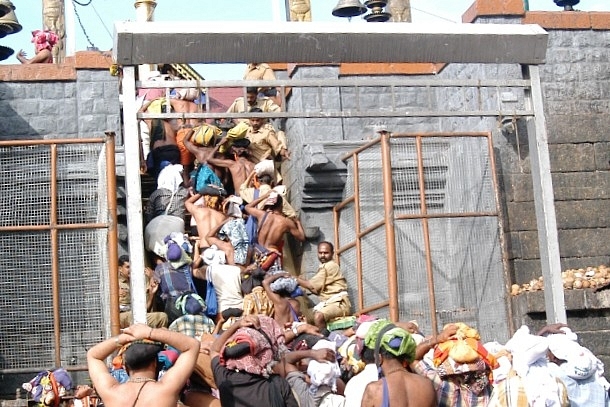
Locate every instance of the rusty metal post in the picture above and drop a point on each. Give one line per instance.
(113, 241)
(426, 232)
(357, 215)
(55, 257)
(388, 202)
(500, 217)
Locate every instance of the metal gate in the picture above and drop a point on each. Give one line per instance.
(59, 243)
(420, 224)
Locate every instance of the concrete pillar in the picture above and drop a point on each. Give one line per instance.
(145, 11)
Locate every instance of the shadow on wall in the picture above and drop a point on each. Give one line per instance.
(12, 105)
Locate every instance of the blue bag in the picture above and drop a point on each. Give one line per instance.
(210, 297)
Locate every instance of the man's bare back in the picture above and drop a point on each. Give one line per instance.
(271, 232)
(405, 390)
(206, 218)
(239, 169)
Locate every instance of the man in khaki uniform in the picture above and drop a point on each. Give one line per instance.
(330, 285)
(264, 144)
(153, 319)
(241, 105)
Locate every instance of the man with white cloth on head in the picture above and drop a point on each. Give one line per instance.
(226, 279)
(579, 370)
(531, 383)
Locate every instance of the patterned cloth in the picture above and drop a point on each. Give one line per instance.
(453, 391)
(511, 393)
(396, 341)
(44, 40)
(265, 355)
(193, 325)
(235, 231)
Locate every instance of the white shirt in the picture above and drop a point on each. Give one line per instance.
(354, 389)
(227, 284)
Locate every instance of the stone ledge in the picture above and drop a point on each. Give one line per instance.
(91, 60)
(488, 8)
(575, 300)
(573, 20)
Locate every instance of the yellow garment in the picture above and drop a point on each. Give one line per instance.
(328, 280)
(240, 105)
(263, 144)
(205, 135)
(257, 303)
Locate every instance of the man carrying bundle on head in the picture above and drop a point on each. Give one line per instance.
(140, 359)
(394, 350)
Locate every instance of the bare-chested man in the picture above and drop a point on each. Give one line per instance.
(207, 217)
(398, 387)
(272, 223)
(140, 360)
(240, 167)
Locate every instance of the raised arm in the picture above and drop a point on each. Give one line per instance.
(98, 371)
(277, 300)
(189, 204)
(175, 378)
(252, 209)
(296, 229)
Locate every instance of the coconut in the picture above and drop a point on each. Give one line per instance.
(586, 284)
(578, 283)
(515, 289)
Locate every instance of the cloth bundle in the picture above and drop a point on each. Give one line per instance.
(264, 350)
(323, 373)
(44, 39)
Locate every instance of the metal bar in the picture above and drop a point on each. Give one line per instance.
(75, 368)
(331, 114)
(336, 215)
(345, 248)
(371, 228)
(55, 258)
(134, 197)
(39, 228)
(113, 240)
(478, 134)
(447, 215)
(343, 82)
(20, 143)
(357, 215)
(361, 149)
(373, 307)
(502, 238)
(388, 202)
(344, 203)
(544, 202)
(426, 233)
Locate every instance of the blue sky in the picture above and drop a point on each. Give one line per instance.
(99, 16)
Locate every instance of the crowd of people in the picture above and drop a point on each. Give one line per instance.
(231, 324)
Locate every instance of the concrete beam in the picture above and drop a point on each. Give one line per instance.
(241, 42)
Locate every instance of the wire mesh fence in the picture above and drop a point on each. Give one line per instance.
(445, 222)
(55, 245)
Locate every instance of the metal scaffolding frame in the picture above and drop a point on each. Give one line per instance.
(137, 43)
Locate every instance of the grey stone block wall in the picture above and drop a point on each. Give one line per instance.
(84, 108)
(576, 91)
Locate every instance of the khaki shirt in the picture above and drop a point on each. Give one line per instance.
(329, 280)
(263, 144)
(258, 72)
(124, 293)
(240, 105)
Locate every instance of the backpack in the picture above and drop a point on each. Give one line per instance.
(252, 224)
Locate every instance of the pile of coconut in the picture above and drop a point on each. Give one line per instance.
(591, 277)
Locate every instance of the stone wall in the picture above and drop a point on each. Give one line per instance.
(78, 99)
(576, 91)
